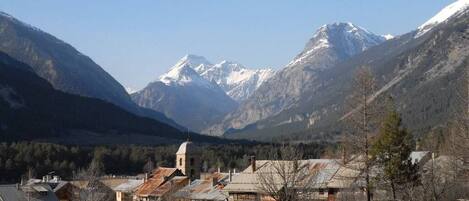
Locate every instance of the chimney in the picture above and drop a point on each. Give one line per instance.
(218, 169)
(230, 176)
(344, 156)
(17, 186)
(214, 181)
(253, 163)
(234, 171)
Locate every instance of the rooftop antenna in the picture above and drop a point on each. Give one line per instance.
(188, 135)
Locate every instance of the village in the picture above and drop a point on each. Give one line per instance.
(316, 179)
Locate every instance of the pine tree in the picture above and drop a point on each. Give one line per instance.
(392, 150)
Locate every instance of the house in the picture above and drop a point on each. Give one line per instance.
(64, 190)
(208, 188)
(161, 184)
(27, 192)
(126, 190)
(314, 184)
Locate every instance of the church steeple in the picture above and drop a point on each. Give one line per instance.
(188, 159)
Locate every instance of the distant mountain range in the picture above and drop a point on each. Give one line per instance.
(196, 93)
(422, 70)
(237, 81)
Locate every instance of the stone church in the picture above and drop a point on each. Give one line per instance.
(188, 160)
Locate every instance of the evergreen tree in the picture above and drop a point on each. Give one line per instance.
(392, 150)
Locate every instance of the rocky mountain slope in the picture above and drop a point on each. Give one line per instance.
(303, 77)
(65, 67)
(31, 109)
(423, 70)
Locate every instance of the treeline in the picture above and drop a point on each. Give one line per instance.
(25, 159)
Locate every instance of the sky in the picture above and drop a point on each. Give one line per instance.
(136, 41)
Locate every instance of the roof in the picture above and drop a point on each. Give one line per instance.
(172, 185)
(187, 147)
(11, 192)
(112, 183)
(201, 190)
(129, 186)
(345, 177)
(317, 172)
(159, 176)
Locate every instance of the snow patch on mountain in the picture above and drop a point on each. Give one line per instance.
(236, 80)
(449, 11)
(321, 44)
(388, 36)
(130, 90)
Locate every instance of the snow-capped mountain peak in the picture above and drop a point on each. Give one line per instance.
(183, 75)
(193, 61)
(349, 38)
(449, 11)
(236, 80)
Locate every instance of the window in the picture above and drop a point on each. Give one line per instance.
(192, 161)
(321, 191)
(180, 161)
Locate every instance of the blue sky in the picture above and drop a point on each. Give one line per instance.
(135, 41)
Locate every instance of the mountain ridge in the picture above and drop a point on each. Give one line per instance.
(302, 77)
(422, 74)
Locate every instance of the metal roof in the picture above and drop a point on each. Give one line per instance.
(129, 186)
(201, 190)
(316, 173)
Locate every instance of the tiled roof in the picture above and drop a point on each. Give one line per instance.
(159, 176)
(172, 185)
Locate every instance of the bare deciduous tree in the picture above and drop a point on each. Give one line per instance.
(92, 189)
(286, 177)
(460, 130)
(361, 120)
